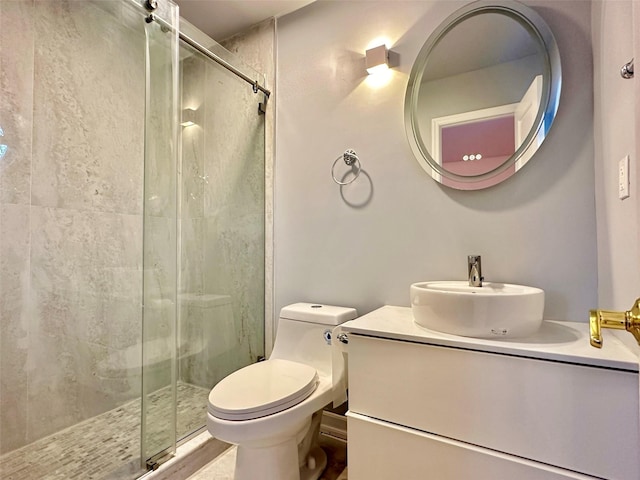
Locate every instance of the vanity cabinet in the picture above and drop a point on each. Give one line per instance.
(424, 405)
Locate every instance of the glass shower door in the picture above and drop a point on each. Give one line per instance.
(221, 236)
(159, 368)
(72, 183)
(128, 286)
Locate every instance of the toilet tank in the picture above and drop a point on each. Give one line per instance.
(304, 330)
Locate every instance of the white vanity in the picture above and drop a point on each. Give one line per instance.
(427, 405)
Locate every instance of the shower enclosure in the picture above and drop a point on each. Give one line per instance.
(131, 233)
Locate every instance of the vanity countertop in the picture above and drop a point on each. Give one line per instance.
(558, 341)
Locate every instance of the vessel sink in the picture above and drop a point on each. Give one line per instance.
(493, 310)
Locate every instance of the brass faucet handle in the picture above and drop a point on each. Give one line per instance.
(599, 319)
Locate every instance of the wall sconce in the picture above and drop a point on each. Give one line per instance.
(377, 59)
(188, 117)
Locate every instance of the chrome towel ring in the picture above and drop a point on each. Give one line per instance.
(350, 158)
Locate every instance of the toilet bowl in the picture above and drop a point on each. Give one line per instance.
(271, 410)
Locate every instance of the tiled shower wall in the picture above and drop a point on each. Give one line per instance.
(257, 47)
(224, 159)
(72, 112)
(71, 219)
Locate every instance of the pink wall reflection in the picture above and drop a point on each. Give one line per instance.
(493, 138)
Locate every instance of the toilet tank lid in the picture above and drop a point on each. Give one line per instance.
(318, 313)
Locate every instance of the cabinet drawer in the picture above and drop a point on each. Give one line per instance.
(381, 451)
(576, 417)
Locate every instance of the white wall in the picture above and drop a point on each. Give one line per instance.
(438, 97)
(364, 245)
(616, 136)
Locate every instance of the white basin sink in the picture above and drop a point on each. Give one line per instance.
(493, 310)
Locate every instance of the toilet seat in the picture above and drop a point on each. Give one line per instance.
(262, 389)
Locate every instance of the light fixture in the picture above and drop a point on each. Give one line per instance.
(472, 157)
(377, 59)
(188, 117)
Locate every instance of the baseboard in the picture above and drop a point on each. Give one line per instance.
(334, 424)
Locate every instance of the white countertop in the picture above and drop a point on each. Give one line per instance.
(558, 341)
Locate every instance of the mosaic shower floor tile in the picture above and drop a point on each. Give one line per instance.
(106, 446)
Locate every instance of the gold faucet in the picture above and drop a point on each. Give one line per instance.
(629, 321)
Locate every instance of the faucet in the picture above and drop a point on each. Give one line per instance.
(475, 270)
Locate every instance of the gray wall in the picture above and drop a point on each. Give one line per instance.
(364, 244)
(617, 135)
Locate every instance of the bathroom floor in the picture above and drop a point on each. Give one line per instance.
(222, 468)
(78, 452)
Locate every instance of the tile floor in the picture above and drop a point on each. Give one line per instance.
(78, 452)
(222, 468)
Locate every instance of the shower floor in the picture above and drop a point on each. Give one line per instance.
(106, 446)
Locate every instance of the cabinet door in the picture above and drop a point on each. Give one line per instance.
(567, 415)
(381, 451)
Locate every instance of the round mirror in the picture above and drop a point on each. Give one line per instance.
(483, 94)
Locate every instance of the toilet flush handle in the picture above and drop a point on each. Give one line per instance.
(342, 337)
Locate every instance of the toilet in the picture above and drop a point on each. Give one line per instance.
(271, 410)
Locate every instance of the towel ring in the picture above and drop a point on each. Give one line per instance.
(350, 158)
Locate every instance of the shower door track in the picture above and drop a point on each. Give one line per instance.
(151, 5)
(209, 54)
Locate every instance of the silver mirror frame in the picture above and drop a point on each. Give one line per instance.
(552, 84)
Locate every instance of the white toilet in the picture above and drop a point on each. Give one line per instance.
(266, 409)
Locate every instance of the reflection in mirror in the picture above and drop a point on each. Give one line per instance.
(482, 94)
